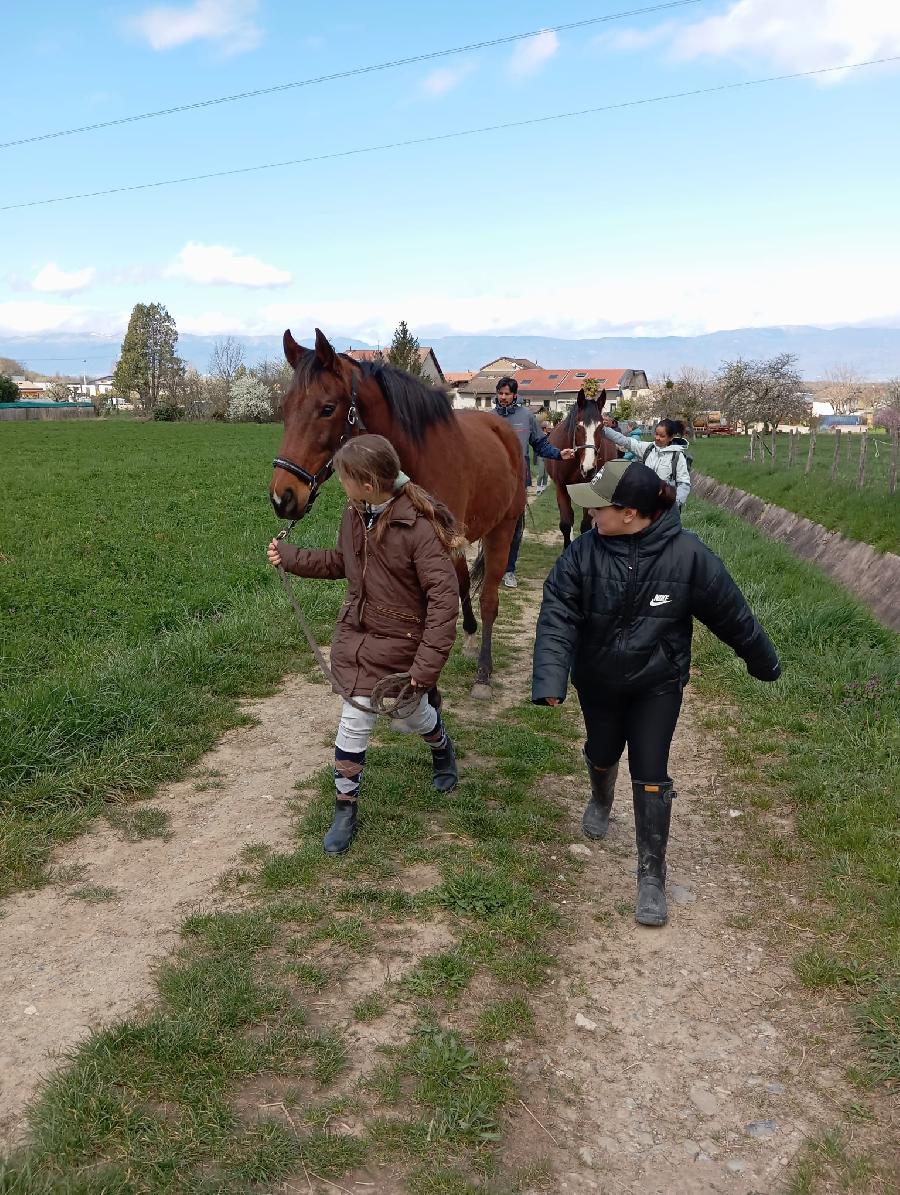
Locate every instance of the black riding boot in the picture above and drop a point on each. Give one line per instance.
(652, 815)
(446, 776)
(342, 830)
(595, 819)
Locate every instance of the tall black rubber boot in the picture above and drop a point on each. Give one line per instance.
(652, 816)
(434, 698)
(595, 819)
(445, 776)
(342, 830)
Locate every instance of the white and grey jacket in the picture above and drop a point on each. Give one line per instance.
(667, 463)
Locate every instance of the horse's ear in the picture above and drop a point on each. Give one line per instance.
(601, 400)
(324, 351)
(580, 399)
(293, 352)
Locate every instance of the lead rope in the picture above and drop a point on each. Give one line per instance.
(394, 696)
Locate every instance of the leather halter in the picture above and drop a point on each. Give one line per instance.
(315, 480)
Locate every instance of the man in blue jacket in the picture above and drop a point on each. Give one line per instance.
(526, 428)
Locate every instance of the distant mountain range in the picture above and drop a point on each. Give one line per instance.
(872, 352)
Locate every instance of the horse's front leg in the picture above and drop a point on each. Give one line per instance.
(470, 623)
(496, 553)
(566, 513)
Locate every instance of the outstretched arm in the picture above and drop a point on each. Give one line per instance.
(720, 605)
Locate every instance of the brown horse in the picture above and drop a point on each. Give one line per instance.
(472, 461)
(582, 429)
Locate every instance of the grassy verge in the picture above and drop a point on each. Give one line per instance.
(870, 514)
(823, 745)
(243, 1076)
(132, 584)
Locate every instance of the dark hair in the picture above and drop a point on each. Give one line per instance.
(373, 460)
(511, 382)
(673, 427)
(665, 500)
(639, 488)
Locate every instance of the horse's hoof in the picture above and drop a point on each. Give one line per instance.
(482, 692)
(470, 647)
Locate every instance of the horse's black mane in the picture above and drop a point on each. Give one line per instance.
(415, 404)
(591, 415)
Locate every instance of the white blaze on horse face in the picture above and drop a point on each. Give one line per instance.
(588, 456)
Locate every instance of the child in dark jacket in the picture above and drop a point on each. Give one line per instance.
(395, 547)
(618, 613)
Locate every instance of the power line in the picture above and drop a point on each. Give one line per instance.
(347, 74)
(492, 128)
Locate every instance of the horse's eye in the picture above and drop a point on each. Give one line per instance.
(327, 410)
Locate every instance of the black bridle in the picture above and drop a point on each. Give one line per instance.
(315, 480)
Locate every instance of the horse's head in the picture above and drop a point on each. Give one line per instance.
(588, 439)
(319, 415)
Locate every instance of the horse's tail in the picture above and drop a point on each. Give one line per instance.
(476, 572)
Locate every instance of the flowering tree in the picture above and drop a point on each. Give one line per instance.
(249, 401)
(887, 414)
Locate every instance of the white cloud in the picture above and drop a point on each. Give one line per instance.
(212, 265)
(796, 36)
(228, 23)
(36, 317)
(733, 295)
(444, 79)
(53, 280)
(530, 55)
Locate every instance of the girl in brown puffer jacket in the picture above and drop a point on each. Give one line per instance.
(395, 547)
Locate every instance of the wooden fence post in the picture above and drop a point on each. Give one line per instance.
(792, 448)
(864, 439)
(849, 442)
(812, 450)
(895, 448)
(836, 459)
(773, 446)
(752, 434)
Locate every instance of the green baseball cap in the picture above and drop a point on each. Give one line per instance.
(618, 483)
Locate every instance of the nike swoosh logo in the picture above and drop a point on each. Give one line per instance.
(660, 601)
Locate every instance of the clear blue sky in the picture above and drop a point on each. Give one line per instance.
(761, 205)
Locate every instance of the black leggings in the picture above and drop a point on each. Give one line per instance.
(645, 721)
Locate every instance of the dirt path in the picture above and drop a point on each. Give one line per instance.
(696, 1063)
(70, 965)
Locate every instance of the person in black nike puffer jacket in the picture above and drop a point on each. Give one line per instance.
(617, 612)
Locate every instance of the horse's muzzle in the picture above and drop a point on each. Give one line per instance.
(285, 504)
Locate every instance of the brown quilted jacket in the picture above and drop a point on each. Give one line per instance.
(402, 599)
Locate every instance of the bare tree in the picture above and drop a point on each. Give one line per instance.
(766, 391)
(843, 388)
(684, 397)
(226, 364)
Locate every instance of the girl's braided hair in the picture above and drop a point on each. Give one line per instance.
(372, 460)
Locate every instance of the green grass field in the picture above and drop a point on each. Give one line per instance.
(871, 514)
(136, 608)
(148, 626)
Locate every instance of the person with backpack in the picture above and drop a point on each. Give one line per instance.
(665, 456)
(617, 614)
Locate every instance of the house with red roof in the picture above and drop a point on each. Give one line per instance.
(431, 370)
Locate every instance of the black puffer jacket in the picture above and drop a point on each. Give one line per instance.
(618, 612)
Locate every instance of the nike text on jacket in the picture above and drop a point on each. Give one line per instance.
(618, 614)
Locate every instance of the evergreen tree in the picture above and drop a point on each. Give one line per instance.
(404, 351)
(9, 391)
(148, 363)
